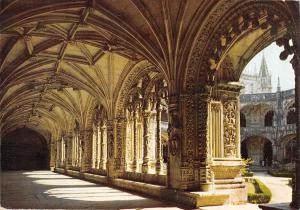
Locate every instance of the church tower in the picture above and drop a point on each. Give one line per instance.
(264, 84)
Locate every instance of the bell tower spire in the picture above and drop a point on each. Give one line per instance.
(264, 77)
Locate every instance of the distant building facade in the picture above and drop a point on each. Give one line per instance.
(257, 82)
(268, 120)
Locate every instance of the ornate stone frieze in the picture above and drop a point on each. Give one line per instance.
(120, 132)
(110, 140)
(230, 110)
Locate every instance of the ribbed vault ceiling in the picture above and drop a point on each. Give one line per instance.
(61, 58)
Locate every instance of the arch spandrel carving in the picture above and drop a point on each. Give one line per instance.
(215, 49)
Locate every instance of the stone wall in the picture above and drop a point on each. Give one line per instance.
(24, 149)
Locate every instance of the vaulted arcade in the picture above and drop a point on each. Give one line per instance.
(141, 91)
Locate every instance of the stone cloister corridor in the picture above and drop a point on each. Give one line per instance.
(139, 95)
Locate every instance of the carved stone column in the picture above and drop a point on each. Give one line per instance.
(174, 178)
(68, 158)
(134, 162)
(102, 144)
(120, 145)
(52, 154)
(86, 163)
(96, 146)
(146, 122)
(205, 178)
(159, 161)
(58, 153)
(110, 162)
(296, 179)
(229, 166)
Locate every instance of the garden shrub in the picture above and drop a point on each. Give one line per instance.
(245, 171)
(262, 196)
(280, 173)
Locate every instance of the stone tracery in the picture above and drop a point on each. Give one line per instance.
(133, 67)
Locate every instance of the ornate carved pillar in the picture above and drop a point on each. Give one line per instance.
(159, 161)
(110, 162)
(174, 178)
(229, 165)
(58, 153)
(102, 144)
(296, 179)
(204, 144)
(68, 157)
(52, 154)
(134, 162)
(189, 165)
(80, 148)
(96, 145)
(146, 122)
(120, 145)
(86, 163)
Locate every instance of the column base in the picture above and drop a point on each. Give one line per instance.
(159, 167)
(145, 166)
(134, 166)
(206, 187)
(102, 165)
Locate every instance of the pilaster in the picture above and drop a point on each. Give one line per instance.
(224, 137)
(87, 150)
(52, 154)
(134, 162)
(146, 122)
(204, 144)
(102, 162)
(121, 124)
(68, 145)
(110, 162)
(159, 161)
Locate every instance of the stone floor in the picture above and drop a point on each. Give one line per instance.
(48, 190)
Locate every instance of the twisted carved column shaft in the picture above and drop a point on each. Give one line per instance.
(134, 164)
(146, 141)
(86, 163)
(68, 153)
(146, 135)
(96, 146)
(158, 138)
(102, 161)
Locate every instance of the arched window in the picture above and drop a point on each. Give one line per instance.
(291, 116)
(243, 120)
(269, 119)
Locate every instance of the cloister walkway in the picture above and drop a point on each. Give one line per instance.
(281, 191)
(48, 190)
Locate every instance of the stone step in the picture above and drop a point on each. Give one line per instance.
(229, 181)
(229, 186)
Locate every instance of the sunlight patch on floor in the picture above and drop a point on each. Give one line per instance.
(62, 182)
(92, 194)
(48, 176)
(38, 173)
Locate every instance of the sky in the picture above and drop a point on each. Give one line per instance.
(276, 67)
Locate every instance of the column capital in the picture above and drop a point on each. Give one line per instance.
(146, 114)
